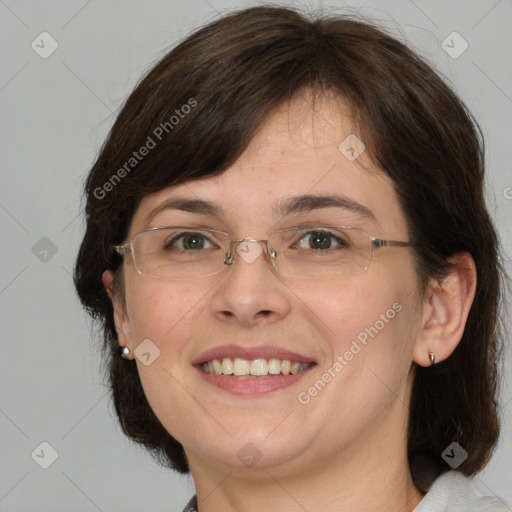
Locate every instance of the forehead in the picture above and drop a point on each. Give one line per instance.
(303, 148)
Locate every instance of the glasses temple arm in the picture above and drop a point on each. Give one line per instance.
(378, 242)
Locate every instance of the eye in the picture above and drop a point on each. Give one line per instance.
(321, 240)
(189, 241)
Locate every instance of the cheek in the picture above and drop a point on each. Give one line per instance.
(349, 309)
(372, 334)
(369, 320)
(159, 310)
(169, 315)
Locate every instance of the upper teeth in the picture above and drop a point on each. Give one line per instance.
(256, 367)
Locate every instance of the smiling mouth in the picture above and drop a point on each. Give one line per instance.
(255, 368)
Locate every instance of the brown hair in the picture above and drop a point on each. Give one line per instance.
(232, 73)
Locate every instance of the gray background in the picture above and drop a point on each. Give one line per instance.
(55, 114)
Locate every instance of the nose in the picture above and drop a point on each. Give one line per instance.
(250, 292)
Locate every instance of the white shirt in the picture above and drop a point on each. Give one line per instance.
(454, 492)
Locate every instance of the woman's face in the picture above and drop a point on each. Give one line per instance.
(357, 332)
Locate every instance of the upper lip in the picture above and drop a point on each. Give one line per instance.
(250, 353)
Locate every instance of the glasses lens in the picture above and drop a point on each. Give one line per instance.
(179, 253)
(321, 252)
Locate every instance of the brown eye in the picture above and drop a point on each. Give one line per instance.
(321, 240)
(189, 241)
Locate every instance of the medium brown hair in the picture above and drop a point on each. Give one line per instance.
(235, 72)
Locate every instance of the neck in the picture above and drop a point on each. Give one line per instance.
(368, 476)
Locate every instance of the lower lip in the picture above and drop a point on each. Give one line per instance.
(252, 385)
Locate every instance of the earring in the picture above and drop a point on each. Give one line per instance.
(431, 356)
(125, 352)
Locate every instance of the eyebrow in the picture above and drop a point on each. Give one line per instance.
(285, 207)
(187, 205)
(306, 203)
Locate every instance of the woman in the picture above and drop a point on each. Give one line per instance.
(297, 277)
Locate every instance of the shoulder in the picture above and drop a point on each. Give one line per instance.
(454, 492)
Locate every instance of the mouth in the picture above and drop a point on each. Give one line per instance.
(252, 371)
(255, 368)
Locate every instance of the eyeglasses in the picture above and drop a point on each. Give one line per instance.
(183, 253)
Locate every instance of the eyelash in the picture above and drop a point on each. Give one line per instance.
(168, 244)
(332, 236)
(180, 236)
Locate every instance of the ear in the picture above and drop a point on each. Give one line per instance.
(445, 311)
(120, 317)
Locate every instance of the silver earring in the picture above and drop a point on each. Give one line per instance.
(431, 356)
(125, 352)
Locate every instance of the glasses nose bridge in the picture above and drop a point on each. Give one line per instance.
(248, 253)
